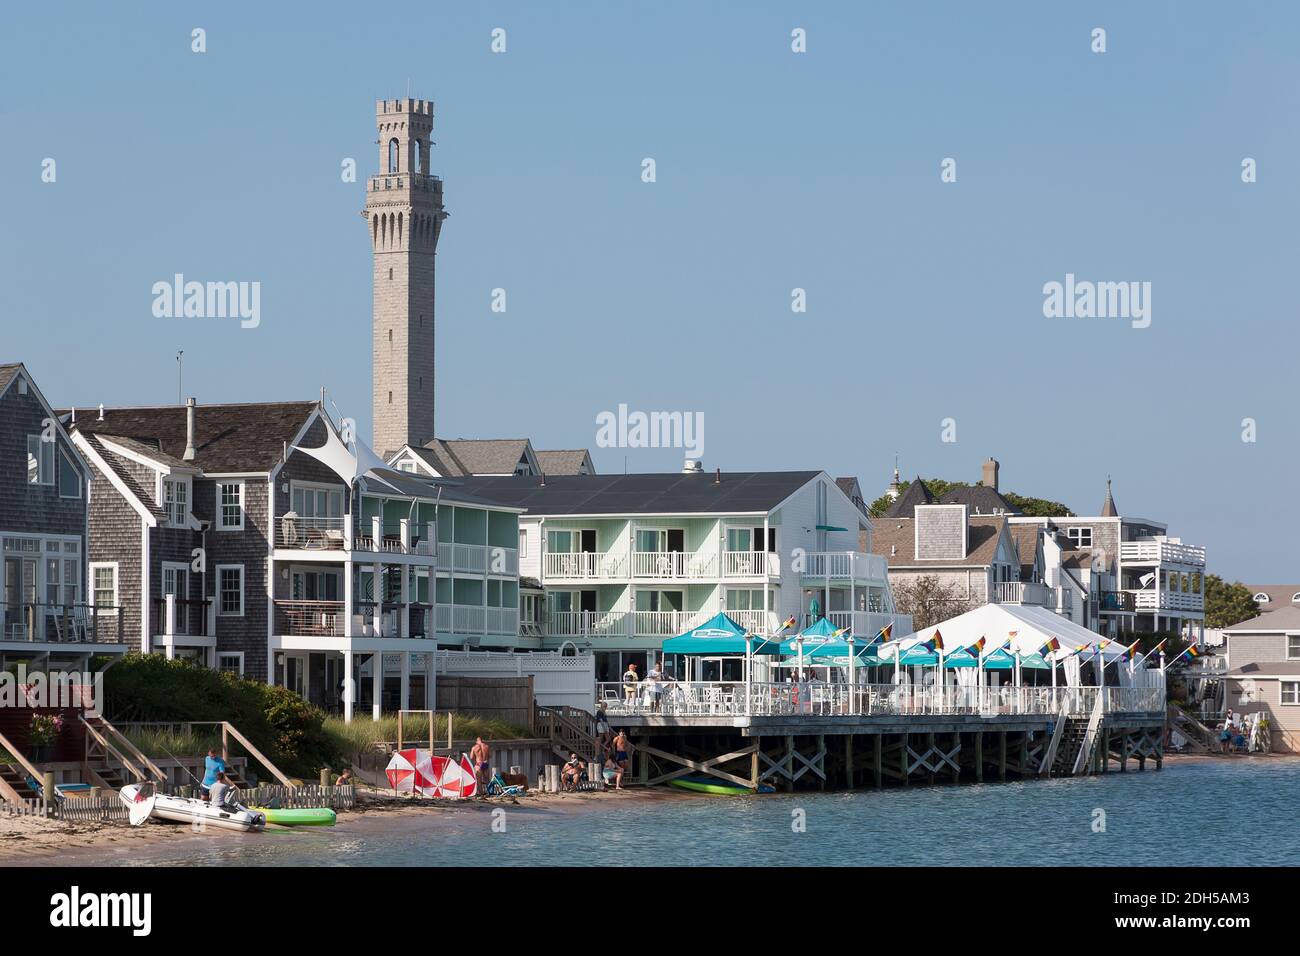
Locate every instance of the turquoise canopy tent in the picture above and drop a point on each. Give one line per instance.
(917, 655)
(718, 636)
(820, 640)
(962, 657)
(999, 660)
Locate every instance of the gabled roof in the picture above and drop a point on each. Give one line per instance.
(1028, 542)
(143, 499)
(487, 456)
(150, 452)
(915, 494)
(566, 461)
(666, 494)
(1283, 619)
(8, 372)
(228, 438)
(979, 500)
(1279, 595)
(895, 540)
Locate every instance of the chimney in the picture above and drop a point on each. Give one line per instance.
(189, 429)
(717, 477)
(991, 474)
(693, 466)
(101, 411)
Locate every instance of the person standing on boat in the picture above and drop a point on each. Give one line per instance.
(213, 767)
(481, 755)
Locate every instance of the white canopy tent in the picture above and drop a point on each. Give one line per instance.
(1032, 628)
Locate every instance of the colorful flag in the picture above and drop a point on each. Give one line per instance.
(788, 623)
(1128, 652)
(1050, 645)
(839, 631)
(1191, 652)
(978, 647)
(936, 642)
(885, 634)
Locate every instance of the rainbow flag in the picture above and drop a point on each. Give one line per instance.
(1050, 645)
(977, 648)
(936, 642)
(1191, 652)
(885, 634)
(1083, 647)
(788, 623)
(1128, 652)
(839, 631)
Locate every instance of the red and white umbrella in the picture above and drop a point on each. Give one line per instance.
(419, 771)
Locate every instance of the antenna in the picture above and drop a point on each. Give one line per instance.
(180, 366)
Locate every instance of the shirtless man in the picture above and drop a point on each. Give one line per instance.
(621, 748)
(480, 756)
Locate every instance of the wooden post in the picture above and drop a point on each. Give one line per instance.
(225, 743)
(789, 754)
(979, 756)
(48, 791)
(400, 715)
(848, 760)
(324, 776)
(754, 761)
(878, 764)
(1024, 754)
(1105, 751)
(1002, 756)
(821, 746)
(902, 759)
(1123, 751)
(929, 742)
(449, 737)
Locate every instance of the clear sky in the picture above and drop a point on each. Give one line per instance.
(775, 171)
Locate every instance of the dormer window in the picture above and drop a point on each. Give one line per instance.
(1262, 598)
(176, 501)
(1080, 537)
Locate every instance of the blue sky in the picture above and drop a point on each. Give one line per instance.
(775, 171)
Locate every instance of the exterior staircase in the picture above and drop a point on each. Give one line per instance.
(110, 756)
(568, 729)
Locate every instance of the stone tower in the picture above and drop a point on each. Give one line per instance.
(404, 213)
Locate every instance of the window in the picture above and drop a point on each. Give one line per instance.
(231, 663)
(69, 477)
(40, 461)
(1293, 647)
(1261, 598)
(317, 502)
(523, 543)
(230, 505)
(103, 583)
(1291, 691)
(230, 590)
(176, 501)
(1080, 537)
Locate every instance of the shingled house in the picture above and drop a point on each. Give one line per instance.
(229, 542)
(47, 603)
(488, 458)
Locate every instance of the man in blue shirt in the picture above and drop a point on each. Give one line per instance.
(212, 766)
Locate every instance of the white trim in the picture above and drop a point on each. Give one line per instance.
(104, 469)
(141, 459)
(220, 590)
(83, 481)
(218, 517)
(40, 397)
(91, 589)
(187, 480)
(146, 644)
(221, 654)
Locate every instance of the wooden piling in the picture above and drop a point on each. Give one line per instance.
(754, 762)
(1002, 756)
(848, 760)
(878, 764)
(789, 756)
(979, 756)
(902, 759)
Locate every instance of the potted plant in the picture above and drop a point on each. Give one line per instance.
(44, 734)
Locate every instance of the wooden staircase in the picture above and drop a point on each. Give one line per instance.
(14, 787)
(110, 756)
(568, 729)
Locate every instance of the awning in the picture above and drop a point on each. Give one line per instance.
(718, 636)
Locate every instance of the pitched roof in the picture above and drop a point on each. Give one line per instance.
(228, 438)
(915, 494)
(8, 373)
(564, 461)
(147, 451)
(1279, 595)
(895, 540)
(1283, 619)
(1280, 668)
(482, 456)
(126, 476)
(439, 459)
(1108, 509)
(1027, 538)
(979, 499)
(669, 493)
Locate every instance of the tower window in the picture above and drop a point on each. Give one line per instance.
(390, 273)
(393, 155)
(390, 336)
(390, 398)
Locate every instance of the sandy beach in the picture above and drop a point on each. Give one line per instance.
(35, 841)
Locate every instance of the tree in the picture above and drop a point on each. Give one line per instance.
(1227, 604)
(928, 600)
(938, 487)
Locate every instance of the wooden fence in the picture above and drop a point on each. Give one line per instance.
(501, 698)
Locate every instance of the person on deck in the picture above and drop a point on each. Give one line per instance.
(630, 680)
(481, 756)
(213, 766)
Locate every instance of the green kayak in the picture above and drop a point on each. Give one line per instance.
(714, 785)
(308, 817)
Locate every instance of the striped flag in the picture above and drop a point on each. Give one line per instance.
(787, 623)
(1049, 646)
(978, 647)
(839, 631)
(885, 634)
(936, 642)
(1191, 652)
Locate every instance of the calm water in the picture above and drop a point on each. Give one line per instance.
(1175, 817)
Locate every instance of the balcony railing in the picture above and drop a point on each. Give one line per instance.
(864, 625)
(1161, 552)
(626, 624)
(1116, 601)
(844, 566)
(326, 619)
(728, 699)
(61, 623)
(672, 565)
(475, 619)
(188, 618)
(1153, 600)
(750, 564)
(310, 533)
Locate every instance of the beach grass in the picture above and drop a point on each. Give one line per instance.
(172, 742)
(364, 733)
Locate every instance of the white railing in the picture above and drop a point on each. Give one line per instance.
(1021, 592)
(845, 565)
(502, 620)
(815, 699)
(661, 623)
(1153, 600)
(310, 533)
(671, 564)
(763, 623)
(1161, 552)
(750, 564)
(582, 564)
(586, 624)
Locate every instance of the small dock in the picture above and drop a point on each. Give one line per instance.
(810, 736)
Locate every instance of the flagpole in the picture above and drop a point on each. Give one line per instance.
(853, 689)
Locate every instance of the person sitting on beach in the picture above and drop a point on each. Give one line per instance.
(222, 792)
(571, 775)
(213, 766)
(612, 773)
(344, 780)
(481, 755)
